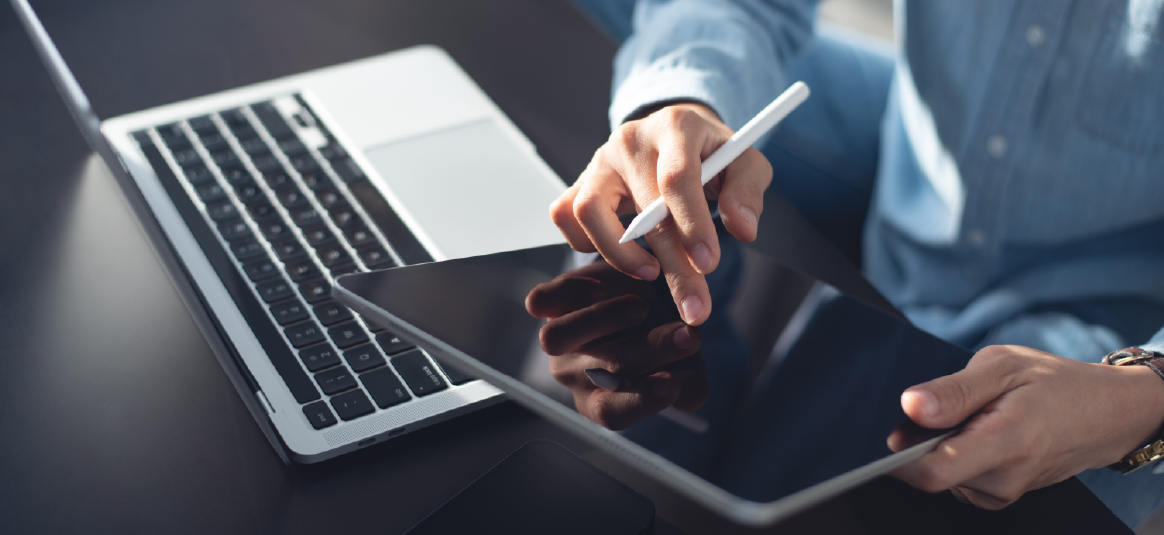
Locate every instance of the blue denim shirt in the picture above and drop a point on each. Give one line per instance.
(1022, 150)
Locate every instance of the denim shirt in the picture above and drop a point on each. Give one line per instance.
(1022, 149)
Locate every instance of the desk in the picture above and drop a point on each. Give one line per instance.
(115, 415)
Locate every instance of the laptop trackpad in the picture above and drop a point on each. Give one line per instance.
(472, 188)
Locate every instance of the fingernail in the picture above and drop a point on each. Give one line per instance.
(664, 390)
(692, 308)
(646, 273)
(603, 379)
(681, 338)
(701, 256)
(748, 215)
(922, 399)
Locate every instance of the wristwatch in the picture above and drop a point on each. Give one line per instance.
(1154, 451)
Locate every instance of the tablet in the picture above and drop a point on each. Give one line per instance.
(790, 398)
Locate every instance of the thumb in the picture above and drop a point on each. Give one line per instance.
(947, 401)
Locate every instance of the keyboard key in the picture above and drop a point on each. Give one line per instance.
(203, 125)
(305, 163)
(347, 170)
(292, 198)
(267, 163)
(363, 358)
(305, 217)
(319, 357)
(246, 249)
(276, 290)
(418, 372)
(291, 146)
(351, 405)
(376, 328)
(279, 180)
(304, 334)
(332, 255)
(316, 290)
(238, 177)
(187, 157)
(317, 181)
(249, 194)
(254, 146)
(335, 380)
(319, 415)
(359, 235)
(235, 229)
(332, 151)
(288, 249)
(226, 158)
(302, 270)
(344, 270)
(234, 117)
(347, 335)
(385, 388)
(198, 175)
(376, 257)
(391, 343)
(263, 269)
(214, 142)
(289, 311)
(331, 313)
(329, 199)
(210, 193)
(344, 217)
(317, 236)
(262, 211)
(173, 136)
(271, 119)
(455, 376)
(221, 211)
(274, 230)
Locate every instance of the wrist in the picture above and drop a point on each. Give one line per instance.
(1141, 402)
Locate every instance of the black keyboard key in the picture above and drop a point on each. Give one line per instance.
(291, 146)
(263, 269)
(279, 181)
(246, 249)
(418, 372)
(317, 236)
(319, 357)
(292, 198)
(348, 335)
(262, 211)
(329, 199)
(376, 257)
(305, 217)
(403, 241)
(288, 249)
(332, 151)
(234, 117)
(238, 176)
(359, 235)
(210, 193)
(305, 163)
(332, 255)
(276, 290)
(198, 175)
(455, 376)
(391, 343)
(347, 170)
(187, 157)
(236, 229)
(317, 181)
(335, 380)
(267, 163)
(221, 211)
(385, 388)
(363, 358)
(319, 415)
(351, 405)
(271, 119)
(316, 290)
(275, 230)
(344, 270)
(173, 136)
(250, 193)
(331, 313)
(254, 146)
(302, 270)
(304, 334)
(226, 158)
(203, 125)
(214, 142)
(373, 326)
(289, 311)
(344, 216)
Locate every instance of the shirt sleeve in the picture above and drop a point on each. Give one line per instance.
(1156, 343)
(729, 54)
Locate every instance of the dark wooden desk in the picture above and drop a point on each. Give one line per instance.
(114, 414)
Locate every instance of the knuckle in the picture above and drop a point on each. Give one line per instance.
(623, 138)
(587, 207)
(604, 412)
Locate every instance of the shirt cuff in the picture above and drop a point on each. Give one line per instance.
(1156, 343)
(652, 87)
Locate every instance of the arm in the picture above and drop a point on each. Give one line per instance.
(719, 62)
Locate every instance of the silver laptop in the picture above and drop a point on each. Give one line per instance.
(257, 198)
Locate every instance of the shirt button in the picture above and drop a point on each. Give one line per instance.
(1035, 35)
(996, 146)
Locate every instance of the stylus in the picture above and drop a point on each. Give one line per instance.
(657, 211)
(609, 381)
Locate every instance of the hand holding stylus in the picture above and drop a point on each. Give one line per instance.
(677, 154)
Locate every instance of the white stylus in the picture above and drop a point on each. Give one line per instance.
(657, 211)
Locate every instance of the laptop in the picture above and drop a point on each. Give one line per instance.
(802, 381)
(258, 198)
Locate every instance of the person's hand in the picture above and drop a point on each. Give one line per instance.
(602, 319)
(658, 155)
(1035, 419)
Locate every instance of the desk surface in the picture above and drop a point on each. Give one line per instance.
(115, 415)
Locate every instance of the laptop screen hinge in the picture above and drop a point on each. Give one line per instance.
(263, 401)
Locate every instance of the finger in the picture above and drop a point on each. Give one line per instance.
(741, 196)
(947, 401)
(596, 208)
(694, 385)
(688, 287)
(563, 295)
(635, 355)
(562, 214)
(570, 332)
(677, 175)
(982, 446)
(619, 410)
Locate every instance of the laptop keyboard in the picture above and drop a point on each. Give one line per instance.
(280, 217)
